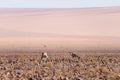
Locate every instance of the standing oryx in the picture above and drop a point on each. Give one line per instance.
(73, 55)
(44, 56)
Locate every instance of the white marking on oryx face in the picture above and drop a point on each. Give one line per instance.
(45, 55)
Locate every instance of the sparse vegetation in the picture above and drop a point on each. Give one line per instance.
(59, 67)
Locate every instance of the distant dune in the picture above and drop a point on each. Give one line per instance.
(58, 30)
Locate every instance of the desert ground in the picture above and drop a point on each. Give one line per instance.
(58, 44)
(20, 58)
(93, 34)
(60, 66)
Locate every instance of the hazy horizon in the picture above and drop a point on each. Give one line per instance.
(59, 29)
(82, 22)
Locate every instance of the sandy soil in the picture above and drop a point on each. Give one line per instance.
(57, 44)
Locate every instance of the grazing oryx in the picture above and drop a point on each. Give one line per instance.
(74, 55)
(44, 56)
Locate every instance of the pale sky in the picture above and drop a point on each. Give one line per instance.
(57, 3)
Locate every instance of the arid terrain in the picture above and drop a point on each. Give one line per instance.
(93, 34)
(60, 66)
